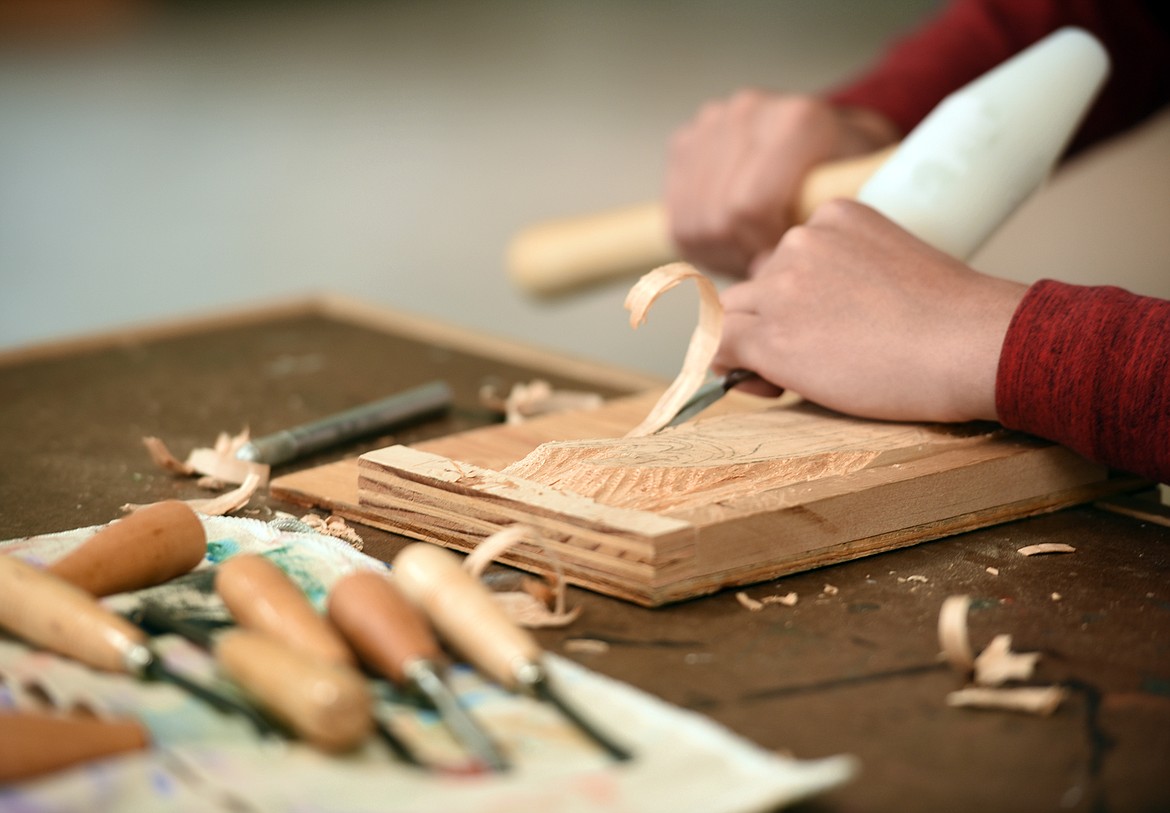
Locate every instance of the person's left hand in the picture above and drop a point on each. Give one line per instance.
(856, 314)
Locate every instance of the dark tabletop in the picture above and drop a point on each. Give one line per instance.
(851, 670)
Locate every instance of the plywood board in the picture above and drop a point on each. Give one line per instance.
(745, 494)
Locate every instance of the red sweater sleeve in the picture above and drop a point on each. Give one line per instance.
(1089, 368)
(969, 37)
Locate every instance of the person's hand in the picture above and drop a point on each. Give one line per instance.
(856, 314)
(734, 172)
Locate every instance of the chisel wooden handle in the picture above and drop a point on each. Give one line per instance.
(384, 628)
(150, 546)
(35, 744)
(325, 704)
(262, 597)
(560, 256)
(51, 613)
(464, 612)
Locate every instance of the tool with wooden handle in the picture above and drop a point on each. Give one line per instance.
(468, 618)
(393, 639)
(263, 598)
(51, 613)
(35, 744)
(327, 705)
(561, 256)
(150, 546)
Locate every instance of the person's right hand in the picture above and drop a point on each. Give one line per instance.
(735, 170)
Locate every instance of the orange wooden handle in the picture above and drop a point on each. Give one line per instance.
(36, 744)
(262, 597)
(381, 624)
(150, 546)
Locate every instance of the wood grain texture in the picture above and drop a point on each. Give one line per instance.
(747, 493)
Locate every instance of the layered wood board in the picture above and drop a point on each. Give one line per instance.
(746, 493)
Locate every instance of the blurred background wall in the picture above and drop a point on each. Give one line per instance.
(172, 159)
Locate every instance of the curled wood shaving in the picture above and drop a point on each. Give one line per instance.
(334, 526)
(1046, 547)
(1042, 700)
(521, 606)
(701, 350)
(830, 590)
(536, 398)
(952, 633)
(788, 600)
(218, 464)
(218, 506)
(749, 602)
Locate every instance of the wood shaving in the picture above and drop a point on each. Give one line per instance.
(916, 578)
(334, 526)
(585, 646)
(830, 590)
(788, 600)
(994, 571)
(997, 664)
(218, 506)
(218, 464)
(521, 606)
(701, 350)
(952, 633)
(535, 398)
(1042, 700)
(1046, 547)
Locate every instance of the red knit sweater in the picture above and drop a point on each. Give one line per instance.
(1085, 367)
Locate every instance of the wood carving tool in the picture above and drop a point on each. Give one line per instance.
(36, 744)
(264, 598)
(48, 612)
(288, 444)
(709, 393)
(150, 546)
(468, 618)
(325, 704)
(982, 151)
(394, 640)
(561, 256)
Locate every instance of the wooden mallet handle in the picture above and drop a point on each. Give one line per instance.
(559, 256)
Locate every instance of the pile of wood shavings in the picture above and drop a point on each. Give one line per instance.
(334, 525)
(996, 665)
(215, 466)
(524, 608)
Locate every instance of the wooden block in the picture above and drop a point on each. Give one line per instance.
(747, 493)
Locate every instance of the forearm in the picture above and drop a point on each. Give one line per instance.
(1087, 367)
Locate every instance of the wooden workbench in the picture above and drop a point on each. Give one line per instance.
(851, 672)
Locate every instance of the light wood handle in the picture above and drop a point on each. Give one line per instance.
(381, 624)
(150, 546)
(36, 744)
(559, 256)
(51, 613)
(262, 597)
(464, 612)
(327, 705)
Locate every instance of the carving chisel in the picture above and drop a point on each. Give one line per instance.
(468, 618)
(325, 704)
(288, 444)
(263, 597)
(393, 639)
(51, 613)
